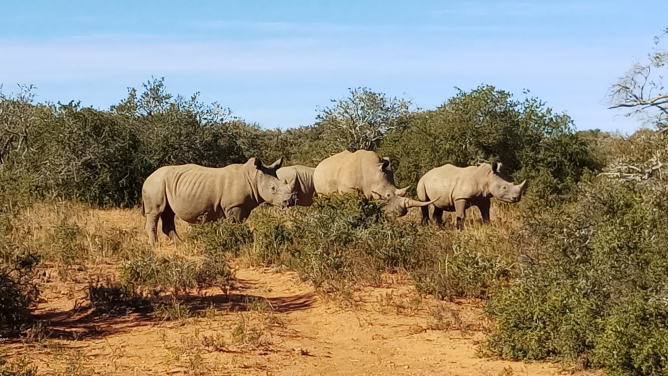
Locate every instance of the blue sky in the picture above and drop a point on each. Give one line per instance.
(274, 62)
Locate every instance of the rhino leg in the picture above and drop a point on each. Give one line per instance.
(236, 213)
(460, 208)
(168, 226)
(425, 214)
(151, 228)
(483, 206)
(438, 216)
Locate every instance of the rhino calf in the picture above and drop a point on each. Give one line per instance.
(461, 187)
(194, 192)
(301, 179)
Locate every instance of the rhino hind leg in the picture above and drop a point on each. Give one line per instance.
(425, 214)
(168, 225)
(438, 216)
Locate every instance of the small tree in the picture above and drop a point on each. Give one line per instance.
(362, 120)
(641, 88)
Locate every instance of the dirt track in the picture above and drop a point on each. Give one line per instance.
(381, 331)
(270, 324)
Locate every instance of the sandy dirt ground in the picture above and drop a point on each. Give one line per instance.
(388, 330)
(271, 323)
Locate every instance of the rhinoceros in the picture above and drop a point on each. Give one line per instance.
(301, 179)
(194, 192)
(363, 170)
(461, 187)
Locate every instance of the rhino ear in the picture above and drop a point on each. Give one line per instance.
(276, 165)
(385, 164)
(401, 192)
(495, 167)
(258, 163)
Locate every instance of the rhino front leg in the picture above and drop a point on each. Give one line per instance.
(236, 213)
(460, 208)
(152, 228)
(483, 206)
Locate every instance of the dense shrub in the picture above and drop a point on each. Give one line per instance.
(222, 238)
(17, 293)
(345, 239)
(175, 274)
(598, 296)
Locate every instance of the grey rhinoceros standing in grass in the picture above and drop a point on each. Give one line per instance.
(363, 170)
(196, 193)
(460, 187)
(301, 180)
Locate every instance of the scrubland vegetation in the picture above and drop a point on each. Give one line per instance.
(575, 272)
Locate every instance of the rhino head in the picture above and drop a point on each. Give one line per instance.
(396, 204)
(274, 191)
(501, 189)
(381, 179)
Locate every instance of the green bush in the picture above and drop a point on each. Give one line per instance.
(17, 293)
(597, 296)
(176, 274)
(115, 298)
(222, 238)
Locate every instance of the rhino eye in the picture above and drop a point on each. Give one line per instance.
(273, 188)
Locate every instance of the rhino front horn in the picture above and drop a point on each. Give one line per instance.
(410, 203)
(522, 184)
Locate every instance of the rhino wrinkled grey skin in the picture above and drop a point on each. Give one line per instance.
(194, 192)
(461, 187)
(301, 179)
(363, 170)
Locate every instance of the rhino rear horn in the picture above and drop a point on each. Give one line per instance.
(276, 165)
(410, 203)
(401, 192)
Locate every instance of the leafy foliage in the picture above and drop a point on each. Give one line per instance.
(603, 276)
(362, 120)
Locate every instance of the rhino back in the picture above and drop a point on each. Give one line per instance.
(194, 190)
(337, 173)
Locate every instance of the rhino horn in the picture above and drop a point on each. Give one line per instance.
(401, 192)
(522, 184)
(410, 203)
(276, 165)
